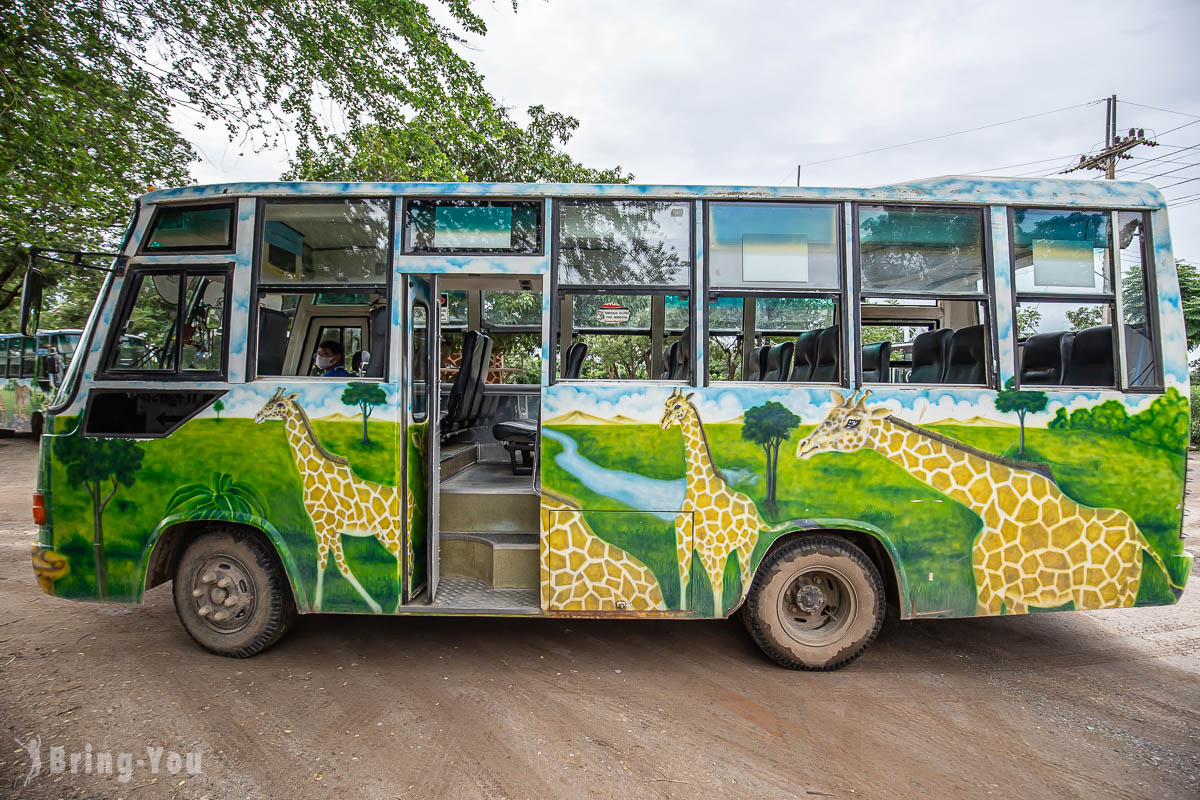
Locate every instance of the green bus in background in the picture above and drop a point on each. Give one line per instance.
(31, 367)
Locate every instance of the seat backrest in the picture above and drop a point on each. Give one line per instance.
(1091, 362)
(457, 405)
(377, 334)
(827, 368)
(929, 352)
(669, 356)
(272, 341)
(356, 362)
(1044, 358)
(876, 362)
(758, 358)
(779, 362)
(967, 359)
(804, 355)
(679, 365)
(475, 395)
(573, 359)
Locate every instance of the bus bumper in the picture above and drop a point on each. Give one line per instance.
(48, 566)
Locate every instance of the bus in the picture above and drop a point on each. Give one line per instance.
(955, 397)
(30, 367)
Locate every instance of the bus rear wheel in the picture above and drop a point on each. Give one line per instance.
(816, 604)
(231, 594)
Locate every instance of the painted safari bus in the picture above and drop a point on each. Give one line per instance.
(957, 397)
(30, 368)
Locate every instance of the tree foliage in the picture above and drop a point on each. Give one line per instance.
(769, 425)
(1022, 402)
(366, 396)
(1164, 424)
(220, 498)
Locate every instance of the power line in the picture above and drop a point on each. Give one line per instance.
(1184, 125)
(1180, 183)
(1022, 164)
(1177, 169)
(948, 135)
(1156, 108)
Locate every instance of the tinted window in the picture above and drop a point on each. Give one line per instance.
(191, 228)
(344, 241)
(624, 242)
(174, 320)
(1061, 252)
(473, 226)
(922, 250)
(773, 244)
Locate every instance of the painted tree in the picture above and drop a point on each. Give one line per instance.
(100, 466)
(220, 497)
(1010, 399)
(366, 396)
(769, 425)
(217, 408)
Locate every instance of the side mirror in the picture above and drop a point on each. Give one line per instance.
(31, 301)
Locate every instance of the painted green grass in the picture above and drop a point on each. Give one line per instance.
(932, 533)
(257, 454)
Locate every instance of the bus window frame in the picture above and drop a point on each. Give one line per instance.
(476, 202)
(690, 288)
(257, 285)
(124, 307)
(840, 294)
(1112, 299)
(144, 248)
(987, 297)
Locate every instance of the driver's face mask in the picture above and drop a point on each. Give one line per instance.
(323, 362)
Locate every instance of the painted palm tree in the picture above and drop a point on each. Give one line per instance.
(222, 497)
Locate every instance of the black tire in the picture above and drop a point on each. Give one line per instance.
(36, 426)
(816, 604)
(234, 573)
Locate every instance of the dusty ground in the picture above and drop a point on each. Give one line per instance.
(1060, 705)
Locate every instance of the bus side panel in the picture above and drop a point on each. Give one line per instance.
(1087, 516)
(298, 468)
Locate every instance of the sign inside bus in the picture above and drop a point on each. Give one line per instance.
(612, 314)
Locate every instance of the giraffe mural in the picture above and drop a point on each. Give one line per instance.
(582, 572)
(1037, 546)
(337, 502)
(722, 520)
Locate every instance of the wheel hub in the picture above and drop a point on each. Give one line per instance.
(810, 599)
(222, 594)
(817, 605)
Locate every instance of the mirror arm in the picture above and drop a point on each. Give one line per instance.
(76, 259)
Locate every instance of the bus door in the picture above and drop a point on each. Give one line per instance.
(421, 375)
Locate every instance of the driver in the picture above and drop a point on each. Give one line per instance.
(329, 359)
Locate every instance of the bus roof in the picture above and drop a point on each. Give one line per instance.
(950, 188)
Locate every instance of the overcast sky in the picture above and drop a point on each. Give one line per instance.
(703, 92)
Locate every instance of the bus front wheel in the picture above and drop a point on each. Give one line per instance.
(231, 594)
(816, 603)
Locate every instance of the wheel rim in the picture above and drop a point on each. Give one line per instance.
(817, 605)
(222, 594)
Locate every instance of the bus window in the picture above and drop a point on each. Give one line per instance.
(418, 359)
(179, 318)
(473, 226)
(924, 306)
(1066, 306)
(339, 241)
(513, 319)
(28, 356)
(204, 228)
(1137, 300)
(624, 268)
(775, 283)
(4, 369)
(292, 325)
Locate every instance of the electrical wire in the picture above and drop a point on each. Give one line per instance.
(1156, 108)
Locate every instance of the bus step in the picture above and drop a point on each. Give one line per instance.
(458, 457)
(500, 560)
(468, 594)
(489, 513)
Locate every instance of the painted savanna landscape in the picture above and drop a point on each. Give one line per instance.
(1099, 456)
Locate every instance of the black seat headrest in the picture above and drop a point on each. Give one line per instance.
(827, 368)
(758, 359)
(779, 362)
(573, 359)
(1044, 358)
(804, 355)
(876, 358)
(272, 341)
(929, 353)
(966, 362)
(1091, 361)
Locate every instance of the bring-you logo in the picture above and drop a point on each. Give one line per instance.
(47, 760)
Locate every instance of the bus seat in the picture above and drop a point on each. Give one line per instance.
(804, 355)
(929, 356)
(272, 340)
(1091, 361)
(779, 362)
(356, 359)
(377, 329)
(476, 400)
(669, 356)
(967, 359)
(1044, 358)
(573, 359)
(876, 362)
(458, 404)
(826, 368)
(679, 367)
(758, 360)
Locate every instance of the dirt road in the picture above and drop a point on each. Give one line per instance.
(1055, 705)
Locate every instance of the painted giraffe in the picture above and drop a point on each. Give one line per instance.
(723, 520)
(582, 572)
(337, 502)
(1037, 546)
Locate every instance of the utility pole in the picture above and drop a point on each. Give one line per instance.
(1115, 146)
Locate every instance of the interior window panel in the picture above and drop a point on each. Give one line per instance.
(183, 228)
(921, 250)
(773, 245)
(151, 321)
(1137, 299)
(1061, 252)
(473, 226)
(624, 243)
(203, 340)
(339, 241)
